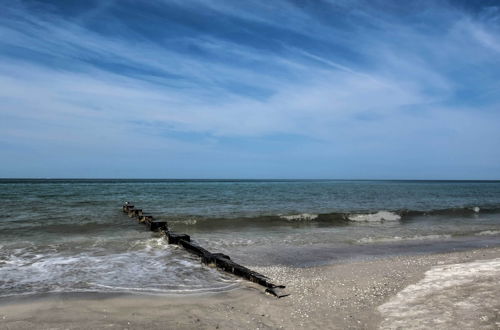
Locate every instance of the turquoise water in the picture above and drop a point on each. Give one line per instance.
(70, 235)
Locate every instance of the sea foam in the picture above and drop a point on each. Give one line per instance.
(300, 217)
(375, 217)
(488, 232)
(149, 264)
(366, 240)
(461, 296)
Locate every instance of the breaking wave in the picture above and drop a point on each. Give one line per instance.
(375, 217)
(299, 217)
(488, 232)
(332, 218)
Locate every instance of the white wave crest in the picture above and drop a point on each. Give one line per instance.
(190, 222)
(151, 243)
(156, 243)
(456, 296)
(233, 242)
(300, 217)
(398, 238)
(375, 217)
(488, 232)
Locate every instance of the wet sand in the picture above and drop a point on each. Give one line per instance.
(339, 296)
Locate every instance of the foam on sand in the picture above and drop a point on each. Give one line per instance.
(462, 296)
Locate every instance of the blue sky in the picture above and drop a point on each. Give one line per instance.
(250, 89)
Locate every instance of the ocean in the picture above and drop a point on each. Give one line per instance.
(72, 236)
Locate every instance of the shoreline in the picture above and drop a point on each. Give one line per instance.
(339, 296)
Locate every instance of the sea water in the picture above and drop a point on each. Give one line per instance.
(71, 235)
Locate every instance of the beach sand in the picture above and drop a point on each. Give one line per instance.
(339, 296)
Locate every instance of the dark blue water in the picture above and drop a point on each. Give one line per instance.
(70, 235)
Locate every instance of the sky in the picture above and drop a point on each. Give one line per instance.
(331, 89)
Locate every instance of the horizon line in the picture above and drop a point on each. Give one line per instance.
(245, 179)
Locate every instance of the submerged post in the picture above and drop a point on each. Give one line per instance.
(219, 260)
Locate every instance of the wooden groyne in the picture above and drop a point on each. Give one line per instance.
(219, 260)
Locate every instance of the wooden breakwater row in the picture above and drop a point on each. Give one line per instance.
(219, 260)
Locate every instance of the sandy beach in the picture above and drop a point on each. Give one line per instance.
(339, 296)
(167, 162)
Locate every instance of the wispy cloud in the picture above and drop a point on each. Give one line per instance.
(318, 89)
